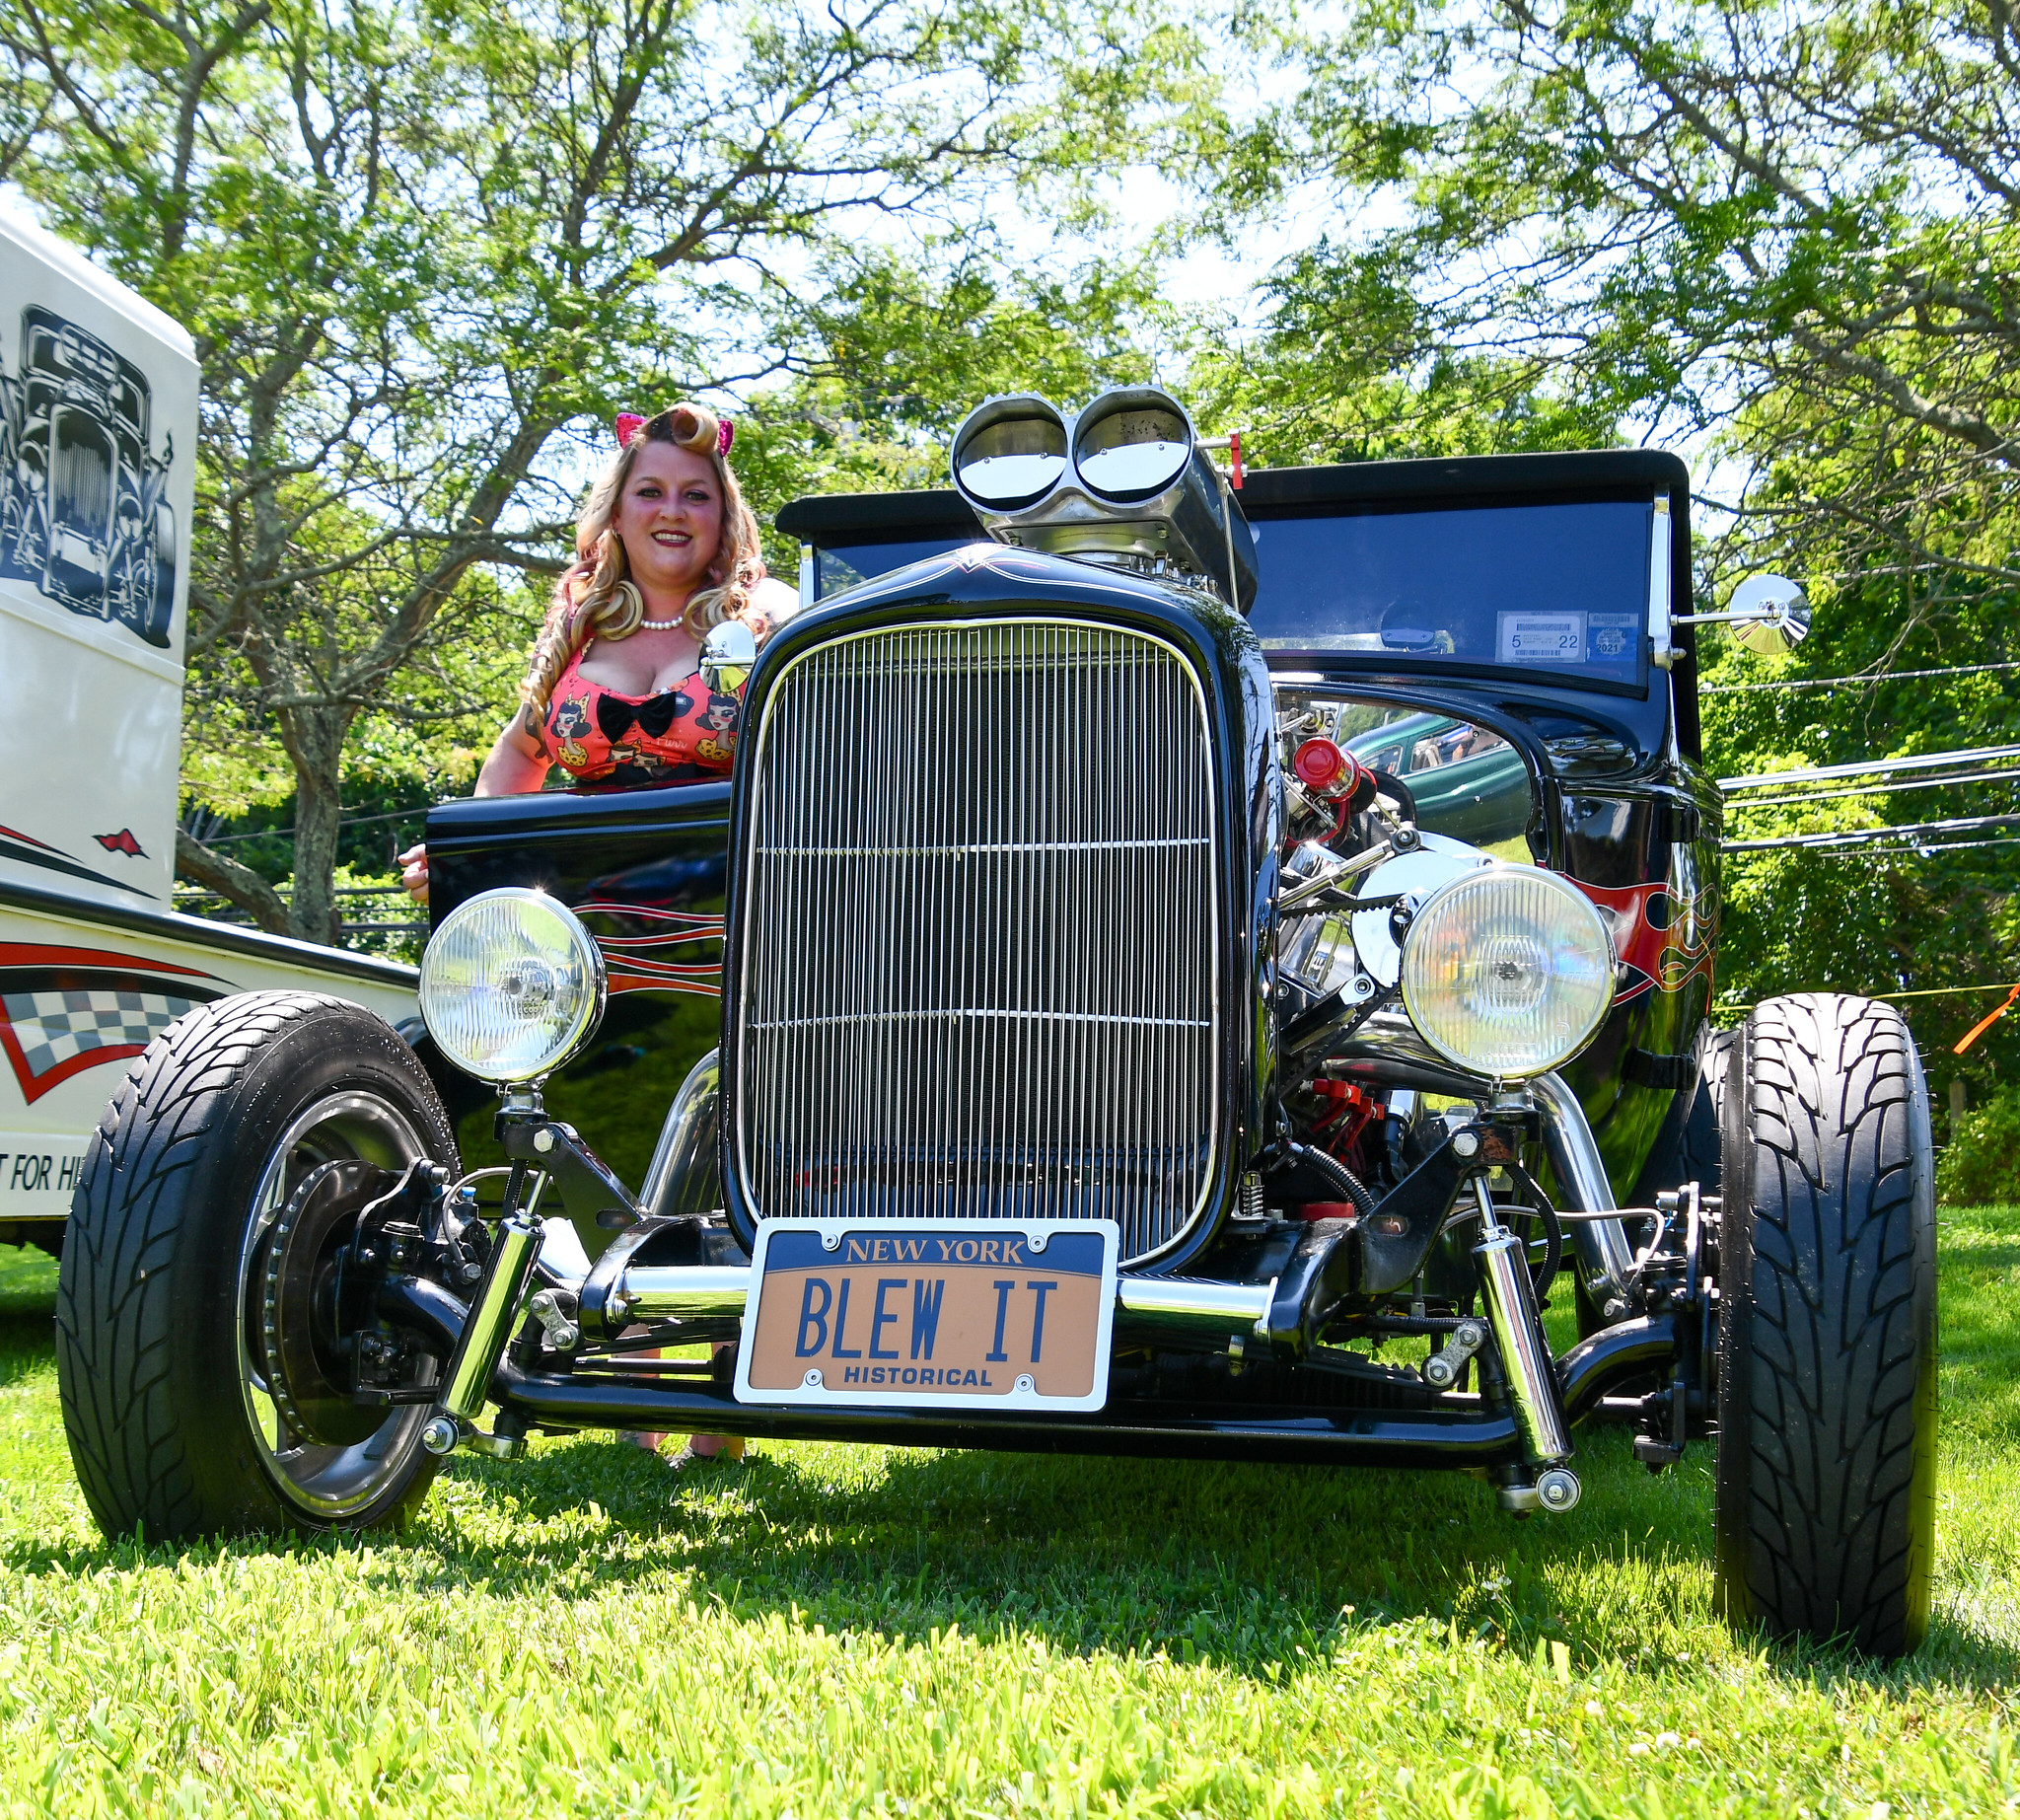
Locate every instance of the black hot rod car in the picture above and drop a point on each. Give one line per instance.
(1166, 959)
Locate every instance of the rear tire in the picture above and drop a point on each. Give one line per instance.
(171, 1425)
(1826, 1344)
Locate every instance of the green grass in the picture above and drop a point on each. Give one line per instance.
(843, 1630)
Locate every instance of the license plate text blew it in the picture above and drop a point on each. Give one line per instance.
(919, 1314)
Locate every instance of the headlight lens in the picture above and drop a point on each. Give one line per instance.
(512, 985)
(1507, 971)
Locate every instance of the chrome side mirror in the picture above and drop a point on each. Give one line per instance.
(728, 656)
(1768, 614)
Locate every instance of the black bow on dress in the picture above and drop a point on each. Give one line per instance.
(652, 717)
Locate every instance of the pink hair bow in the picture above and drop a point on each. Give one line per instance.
(629, 423)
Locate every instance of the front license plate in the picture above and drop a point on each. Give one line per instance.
(930, 1314)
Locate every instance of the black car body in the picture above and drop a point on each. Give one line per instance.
(1611, 795)
(1613, 792)
(1614, 796)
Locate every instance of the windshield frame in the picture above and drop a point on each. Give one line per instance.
(1285, 651)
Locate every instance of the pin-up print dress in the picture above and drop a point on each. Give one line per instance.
(682, 735)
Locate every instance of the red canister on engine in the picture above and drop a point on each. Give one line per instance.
(1324, 769)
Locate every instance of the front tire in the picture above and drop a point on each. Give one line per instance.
(172, 1427)
(1827, 1346)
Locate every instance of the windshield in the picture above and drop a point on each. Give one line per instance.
(857, 562)
(1556, 587)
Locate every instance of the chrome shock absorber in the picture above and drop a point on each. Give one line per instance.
(1504, 1263)
(500, 1299)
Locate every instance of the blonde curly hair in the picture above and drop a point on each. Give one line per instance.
(595, 596)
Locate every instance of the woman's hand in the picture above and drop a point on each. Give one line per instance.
(414, 864)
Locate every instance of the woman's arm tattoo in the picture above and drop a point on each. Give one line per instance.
(535, 730)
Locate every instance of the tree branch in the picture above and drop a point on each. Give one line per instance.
(240, 884)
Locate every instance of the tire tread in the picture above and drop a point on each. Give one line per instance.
(125, 1295)
(1834, 1497)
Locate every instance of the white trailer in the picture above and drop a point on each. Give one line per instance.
(98, 447)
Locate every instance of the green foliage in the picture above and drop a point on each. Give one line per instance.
(1696, 198)
(1348, 367)
(841, 1630)
(1783, 236)
(1794, 227)
(1934, 922)
(1981, 1159)
(894, 351)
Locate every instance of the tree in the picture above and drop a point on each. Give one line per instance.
(1326, 379)
(428, 247)
(888, 354)
(1791, 223)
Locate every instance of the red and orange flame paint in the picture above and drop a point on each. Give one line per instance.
(634, 966)
(1663, 937)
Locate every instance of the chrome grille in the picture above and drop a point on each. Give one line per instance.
(978, 952)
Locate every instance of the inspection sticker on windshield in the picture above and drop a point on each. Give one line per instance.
(1542, 637)
(941, 1314)
(1611, 637)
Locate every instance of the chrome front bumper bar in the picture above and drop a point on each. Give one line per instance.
(1175, 1309)
(1192, 1313)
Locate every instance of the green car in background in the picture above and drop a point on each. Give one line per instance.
(1469, 782)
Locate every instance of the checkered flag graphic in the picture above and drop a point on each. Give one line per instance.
(52, 1027)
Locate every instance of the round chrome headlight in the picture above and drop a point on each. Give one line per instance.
(512, 985)
(1507, 971)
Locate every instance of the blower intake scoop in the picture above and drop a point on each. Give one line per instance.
(1122, 482)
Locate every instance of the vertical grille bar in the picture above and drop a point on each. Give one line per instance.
(978, 959)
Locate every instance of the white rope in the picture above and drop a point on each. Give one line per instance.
(1852, 682)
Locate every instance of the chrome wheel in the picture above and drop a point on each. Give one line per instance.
(323, 1484)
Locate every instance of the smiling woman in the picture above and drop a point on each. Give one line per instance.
(665, 548)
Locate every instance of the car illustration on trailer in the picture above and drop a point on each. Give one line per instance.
(84, 509)
(1172, 973)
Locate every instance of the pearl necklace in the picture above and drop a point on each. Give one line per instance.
(659, 625)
